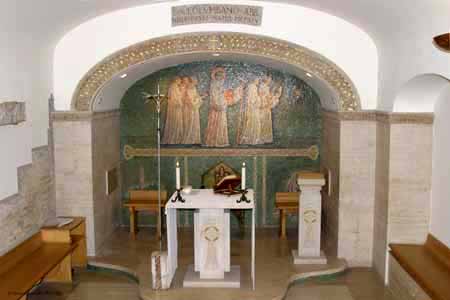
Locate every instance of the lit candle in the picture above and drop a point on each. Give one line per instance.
(178, 176)
(243, 176)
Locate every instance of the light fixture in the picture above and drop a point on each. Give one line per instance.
(309, 74)
(216, 54)
(123, 75)
(442, 41)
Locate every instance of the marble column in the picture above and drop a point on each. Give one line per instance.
(309, 219)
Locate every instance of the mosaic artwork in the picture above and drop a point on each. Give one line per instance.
(218, 108)
(227, 104)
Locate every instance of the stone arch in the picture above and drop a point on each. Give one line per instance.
(239, 43)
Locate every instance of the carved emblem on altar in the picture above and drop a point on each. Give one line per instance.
(309, 217)
(211, 234)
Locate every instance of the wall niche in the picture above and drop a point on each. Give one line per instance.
(221, 111)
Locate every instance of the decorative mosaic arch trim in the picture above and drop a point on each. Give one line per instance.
(238, 43)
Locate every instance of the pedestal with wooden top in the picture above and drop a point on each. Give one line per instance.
(141, 200)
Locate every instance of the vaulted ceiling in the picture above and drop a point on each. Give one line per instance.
(49, 20)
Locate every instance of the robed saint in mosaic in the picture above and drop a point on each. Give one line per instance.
(256, 97)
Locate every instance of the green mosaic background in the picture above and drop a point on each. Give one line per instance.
(296, 124)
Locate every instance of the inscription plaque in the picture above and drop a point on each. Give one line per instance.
(216, 13)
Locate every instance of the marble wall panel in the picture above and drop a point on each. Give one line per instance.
(381, 199)
(409, 182)
(105, 156)
(330, 153)
(73, 173)
(357, 191)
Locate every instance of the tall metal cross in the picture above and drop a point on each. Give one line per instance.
(158, 98)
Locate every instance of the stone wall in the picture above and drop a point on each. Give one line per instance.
(349, 150)
(73, 171)
(401, 285)
(105, 156)
(86, 146)
(403, 182)
(330, 153)
(357, 191)
(410, 166)
(23, 214)
(381, 199)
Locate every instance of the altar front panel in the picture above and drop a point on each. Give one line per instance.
(212, 242)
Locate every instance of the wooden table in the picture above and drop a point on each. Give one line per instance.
(141, 200)
(286, 202)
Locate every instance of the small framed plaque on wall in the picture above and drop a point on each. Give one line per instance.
(111, 181)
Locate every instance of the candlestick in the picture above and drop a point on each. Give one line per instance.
(243, 177)
(178, 185)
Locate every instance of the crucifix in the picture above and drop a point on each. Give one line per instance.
(158, 98)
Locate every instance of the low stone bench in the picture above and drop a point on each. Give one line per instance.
(420, 272)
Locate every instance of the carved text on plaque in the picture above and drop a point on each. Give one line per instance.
(216, 13)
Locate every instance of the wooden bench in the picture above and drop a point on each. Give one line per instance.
(32, 261)
(144, 200)
(428, 265)
(286, 202)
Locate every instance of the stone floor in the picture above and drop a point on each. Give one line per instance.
(276, 276)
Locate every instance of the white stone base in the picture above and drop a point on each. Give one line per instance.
(232, 279)
(309, 260)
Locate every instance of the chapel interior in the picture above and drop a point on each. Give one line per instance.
(226, 149)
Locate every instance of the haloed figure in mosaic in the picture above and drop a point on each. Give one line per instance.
(216, 134)
(191, 114)
(249, 127)
(269, 98)
(174, 125)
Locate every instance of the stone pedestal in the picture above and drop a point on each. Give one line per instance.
(309, 219)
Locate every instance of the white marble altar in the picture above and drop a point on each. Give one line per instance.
(211, 238)
(309, 219)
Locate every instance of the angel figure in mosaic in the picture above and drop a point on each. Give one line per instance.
(191, 113)
(216, 134)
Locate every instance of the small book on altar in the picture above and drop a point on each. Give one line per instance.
(228, 185)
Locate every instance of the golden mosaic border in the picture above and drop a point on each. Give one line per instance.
(237, 43)
(380, 116)
(63, 116)
(129, 152)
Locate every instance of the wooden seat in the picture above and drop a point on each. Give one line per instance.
(34, 260)
(428, 265)
(286, 202)
(144, 200)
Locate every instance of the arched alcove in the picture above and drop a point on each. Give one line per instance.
(439, 94)
(420, 94)
(160, 52)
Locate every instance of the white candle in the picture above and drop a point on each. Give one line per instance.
(178, 176)
(243, 177)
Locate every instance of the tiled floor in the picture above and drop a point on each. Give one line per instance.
(274, 271)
